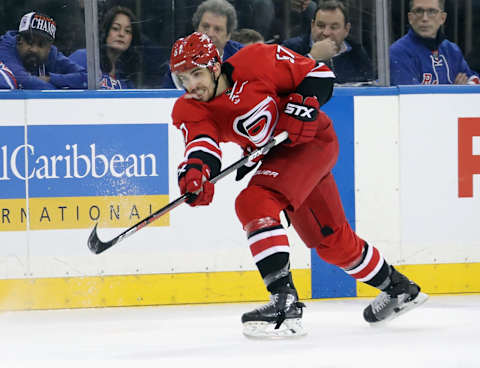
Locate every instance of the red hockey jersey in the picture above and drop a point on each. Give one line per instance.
(263, 75)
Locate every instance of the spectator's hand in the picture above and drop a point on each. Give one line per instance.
(324, 49)
(461, 78)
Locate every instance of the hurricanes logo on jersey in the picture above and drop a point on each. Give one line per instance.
(257, 124)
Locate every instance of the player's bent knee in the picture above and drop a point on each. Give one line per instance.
(256, 202)
(342, 248)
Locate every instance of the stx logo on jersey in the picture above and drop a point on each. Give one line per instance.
(305, 113)
(258, 123)
(468, 154)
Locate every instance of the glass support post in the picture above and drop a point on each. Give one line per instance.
(91, 37)
(382, 43)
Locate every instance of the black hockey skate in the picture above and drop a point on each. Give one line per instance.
(281, 317)
(401, 296)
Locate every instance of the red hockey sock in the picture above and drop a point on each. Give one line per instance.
(269, 245)
(372, 268)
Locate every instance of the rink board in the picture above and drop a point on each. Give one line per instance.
(404, 174)
(416, 147)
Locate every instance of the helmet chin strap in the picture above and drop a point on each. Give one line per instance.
(216, 84)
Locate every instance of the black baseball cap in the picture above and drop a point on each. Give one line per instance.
(39, 23)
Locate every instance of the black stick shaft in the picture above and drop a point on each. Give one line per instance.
(97, 246)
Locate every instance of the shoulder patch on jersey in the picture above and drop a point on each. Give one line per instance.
(189, 110)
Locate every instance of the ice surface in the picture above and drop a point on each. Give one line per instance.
(444, 332)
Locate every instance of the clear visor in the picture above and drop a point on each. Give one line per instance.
(179, 81)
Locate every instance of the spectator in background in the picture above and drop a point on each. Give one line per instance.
(7, 79)
(217, 19)
(424, 55)
(328, 42)
(120, 41)
(247, 36)
(269, 17)
(34, 61)
(301, 14)
(256, 14)
(473, 58)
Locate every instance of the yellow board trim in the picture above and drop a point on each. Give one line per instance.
(191, 288)
(140, 290)
(442, 278)
(81, 212)
(13, 215)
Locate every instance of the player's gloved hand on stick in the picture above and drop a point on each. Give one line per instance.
(193, 178)
(249, 166)
(299, 119)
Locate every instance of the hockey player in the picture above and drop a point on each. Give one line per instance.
(246, 102)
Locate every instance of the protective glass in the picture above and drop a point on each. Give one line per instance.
(160, 23)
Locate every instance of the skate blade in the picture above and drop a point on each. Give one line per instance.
(418, 301)
(290, 328)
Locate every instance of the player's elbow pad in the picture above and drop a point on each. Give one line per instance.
(321, 88)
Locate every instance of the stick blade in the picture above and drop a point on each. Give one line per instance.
(95, 244)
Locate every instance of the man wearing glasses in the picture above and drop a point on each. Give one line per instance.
(424, 55)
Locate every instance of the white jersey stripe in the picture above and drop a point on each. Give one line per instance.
(321, 74)
(204, 149)
(270, 251)
(319, 67)
(204, 139)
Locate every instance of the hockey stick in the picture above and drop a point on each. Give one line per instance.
(97, 246)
